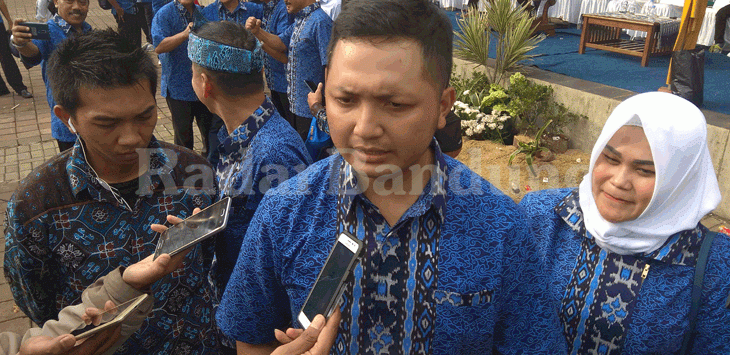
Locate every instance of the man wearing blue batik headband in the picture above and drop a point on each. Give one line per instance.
(259, 149)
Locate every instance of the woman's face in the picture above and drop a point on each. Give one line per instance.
(624, 176)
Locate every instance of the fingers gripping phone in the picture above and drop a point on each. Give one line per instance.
(194, 229)
(91, 329)
(325, 295)
(38, 30)
(313, 87)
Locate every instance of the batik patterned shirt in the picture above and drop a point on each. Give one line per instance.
(480, 280)
(59, 30)
(308, 39)
(276, 21)
(64, 231)
(628, 304)
(217, 12)
(259, 155)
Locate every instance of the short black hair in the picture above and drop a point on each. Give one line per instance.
(97, 59)
(418, 20)
(234, 35)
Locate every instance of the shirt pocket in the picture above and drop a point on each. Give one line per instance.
(443, 297)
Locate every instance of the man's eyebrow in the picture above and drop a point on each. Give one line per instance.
(112, 118)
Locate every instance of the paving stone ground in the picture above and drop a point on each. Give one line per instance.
(26, 142)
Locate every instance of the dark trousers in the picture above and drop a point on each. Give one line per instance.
(132, 26)
(146, 9)
(10, 66)
(720, 22)
(281, 102)
(183, 113)
(302, 124)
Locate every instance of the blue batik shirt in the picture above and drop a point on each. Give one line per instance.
(308, 39)
(276, 21)
(628, 304)
(260, 154)
(65, 230)
(217, 12)
(177, 71)
(59, 30)
(127, 5)
(484, 292)
(158, 4)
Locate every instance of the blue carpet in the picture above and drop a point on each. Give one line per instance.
(559, 54)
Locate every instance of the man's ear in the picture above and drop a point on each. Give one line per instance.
(207, 84)
(448, 97)
(65, 117)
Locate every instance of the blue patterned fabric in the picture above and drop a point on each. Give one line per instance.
(217, 12)
(308, 39)
(127, 5)
(59, 30)
(276, 21)
(158, 4)
(259, 155)
(177, 70)
(607, 306)
(220, 57)
(491, 287)
(64, 231)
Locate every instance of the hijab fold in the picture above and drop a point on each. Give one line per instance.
(686, 187)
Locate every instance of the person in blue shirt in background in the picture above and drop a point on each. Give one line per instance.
(170, 29)
(69, 21)
(233, 10)
(277, 21)
(10, 67)
(130, 20)
(305, 45)
(621, 249)
(448, 265)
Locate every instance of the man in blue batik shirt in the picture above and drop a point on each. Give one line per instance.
(68, 22)
(306, 60)
(448, 266)
(277, 21)
(170, 29)
(88, 210)
(233, 10)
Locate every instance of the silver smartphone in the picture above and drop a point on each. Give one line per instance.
(327, 291)
(194, 229)
(91, 329)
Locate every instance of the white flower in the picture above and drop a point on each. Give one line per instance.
(492, 125)
(480, 128)
(481, 115)
(469, 132)
(466, 92)
(500, 127)
(489, 119)
(503, 118)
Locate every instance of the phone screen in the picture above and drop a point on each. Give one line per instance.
(194, 229)
(333, 273)
(92, 329)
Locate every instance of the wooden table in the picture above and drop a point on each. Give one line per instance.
(604, 32)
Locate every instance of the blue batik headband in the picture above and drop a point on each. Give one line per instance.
(220, 57)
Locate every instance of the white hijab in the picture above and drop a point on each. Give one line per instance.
(686, 187)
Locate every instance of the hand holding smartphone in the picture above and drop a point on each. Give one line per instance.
(37, 30)
(92, 329)
(313, 87)
(325, 295)
(194, 229)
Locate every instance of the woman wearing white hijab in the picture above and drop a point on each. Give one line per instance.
(621, 249)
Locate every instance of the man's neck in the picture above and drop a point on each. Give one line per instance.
(395, 194)
(190, 7)
(236, 110)
(78, 28)
(231, 5)
(114, 173)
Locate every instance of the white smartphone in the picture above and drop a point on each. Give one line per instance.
(194, 229)
(325, 295)
(91, 329)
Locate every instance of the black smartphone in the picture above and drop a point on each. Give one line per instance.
(313, 87)
(325, 295)
(194, 229)
(38, 30)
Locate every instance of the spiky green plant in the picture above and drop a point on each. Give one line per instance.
(472, 42)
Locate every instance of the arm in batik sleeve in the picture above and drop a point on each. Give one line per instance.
(29, 268)
(527, 323)
(323, 33)
(255, 302)
(713, 320)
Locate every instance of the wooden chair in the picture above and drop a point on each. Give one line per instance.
(541, 23)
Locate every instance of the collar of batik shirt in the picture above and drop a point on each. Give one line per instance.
(224, 14)
(434, 193)
(188, 17)
(308, 10)
(233, 147)
(81, 177)
(680, 249)
(67, 28)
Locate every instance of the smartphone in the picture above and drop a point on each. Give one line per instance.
(91, 329)
(38, 30)
(313, 87)
(194, 229)
(198, 20)
(327, 291)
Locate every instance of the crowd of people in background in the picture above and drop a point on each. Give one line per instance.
(450, 265)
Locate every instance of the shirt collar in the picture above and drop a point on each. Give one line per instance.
(67, 28)
(238, 142)
(223, 10)
(184, 12)
(681, 248)
(308, 10)
(433, 195)
(82, 177)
